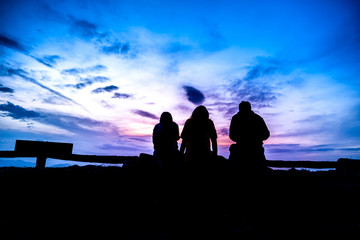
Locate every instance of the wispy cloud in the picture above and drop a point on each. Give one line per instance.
(67, 122)
(110, 88)
(118, 147)
(88, 81)
(121, 95)
(76, 71)
(49, 62)
(259, 94)
(79, 85)
(257, 86)
(116, 48)
(24, 75)
(145, 114)
(265, 66)
(51, 59)
(298, 148)
(11, 43)
(84, 28)
(5, 89)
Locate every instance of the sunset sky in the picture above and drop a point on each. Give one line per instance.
(100, 73)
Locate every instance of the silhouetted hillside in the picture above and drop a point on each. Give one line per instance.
(210, 202)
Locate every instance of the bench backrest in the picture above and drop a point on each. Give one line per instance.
(43, 148)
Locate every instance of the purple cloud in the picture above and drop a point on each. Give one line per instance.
(121, 95)
(145, 114)
(194, 95)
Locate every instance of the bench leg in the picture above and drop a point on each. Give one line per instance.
(40, 162)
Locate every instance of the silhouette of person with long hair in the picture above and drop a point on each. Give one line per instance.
(165, 137)
(198, 131)
(249, 131)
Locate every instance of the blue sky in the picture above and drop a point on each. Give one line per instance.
(99, 73)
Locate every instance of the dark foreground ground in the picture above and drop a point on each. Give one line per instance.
(218, 202)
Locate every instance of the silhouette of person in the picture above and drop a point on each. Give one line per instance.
(196, 135)
(249, 131)
(165, 137)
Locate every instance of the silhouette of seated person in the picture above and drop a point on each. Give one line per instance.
(196, 135)
(249, 131)
(165, 137)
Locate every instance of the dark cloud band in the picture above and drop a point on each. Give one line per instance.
(5, 89)
(194, 95)
(110, 88)
(17, 112)
(145, 114)
(121, 95)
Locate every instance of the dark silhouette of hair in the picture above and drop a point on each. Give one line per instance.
(197, 133)
(165, 136)
(166, 118)
(200, 113)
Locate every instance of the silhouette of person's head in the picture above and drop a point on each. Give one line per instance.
(166, 118)
(245, 107)
(200, 113)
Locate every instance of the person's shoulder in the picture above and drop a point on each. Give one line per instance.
(189, 121)
(237, 115)
(187, 124)
(257, 116)
(157, 127)
(211, 123)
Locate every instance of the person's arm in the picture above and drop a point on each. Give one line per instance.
(182, 147)
(265, 130)
(184, 136)
(213, 138)
(233, 131)
(177, 135)
(154, 136)
(214, 146)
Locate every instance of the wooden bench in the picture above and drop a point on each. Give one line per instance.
(42, 150)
